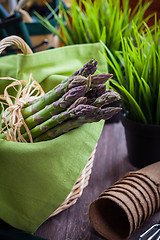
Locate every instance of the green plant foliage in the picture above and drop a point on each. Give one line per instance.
(139, 84)
(91, 21)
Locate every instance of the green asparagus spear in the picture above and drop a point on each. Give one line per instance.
(88, 69)
(100, 78)
(53, 95)
(94, 116)
(108, 97)
(95, 92)
(56, 107)
(70, 113)
(73, 81)
(81, 100)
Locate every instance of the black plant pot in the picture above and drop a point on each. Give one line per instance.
(143, 142)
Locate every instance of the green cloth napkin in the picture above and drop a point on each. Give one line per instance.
(35, 178)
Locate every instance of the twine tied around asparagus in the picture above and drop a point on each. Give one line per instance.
(12, 119)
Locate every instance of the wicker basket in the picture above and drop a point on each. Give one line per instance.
(77, 190)
(82, 181)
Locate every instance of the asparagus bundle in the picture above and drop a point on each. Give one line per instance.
(75, 101)
(94, 115)
(58, 106)
(77, 109)
(57, 92)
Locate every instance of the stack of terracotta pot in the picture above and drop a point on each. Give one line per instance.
(122, 208)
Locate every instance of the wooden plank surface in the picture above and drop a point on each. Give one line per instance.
(110, 164)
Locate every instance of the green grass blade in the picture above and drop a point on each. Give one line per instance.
(135, 110)
(66, 17)
(61, 22)
(114, 64)
(50, 27)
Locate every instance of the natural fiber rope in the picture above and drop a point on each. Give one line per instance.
(12, 118)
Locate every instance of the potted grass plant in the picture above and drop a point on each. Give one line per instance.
(140, 93)
(91, 21)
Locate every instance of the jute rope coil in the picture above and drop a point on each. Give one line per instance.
(82, 181)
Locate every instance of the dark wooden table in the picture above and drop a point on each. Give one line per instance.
(110, 164)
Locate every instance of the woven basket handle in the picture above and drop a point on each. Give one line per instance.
(15, 40)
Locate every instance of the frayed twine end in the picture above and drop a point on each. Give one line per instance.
(12, 119)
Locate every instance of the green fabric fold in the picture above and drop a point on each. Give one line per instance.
(35, 178)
